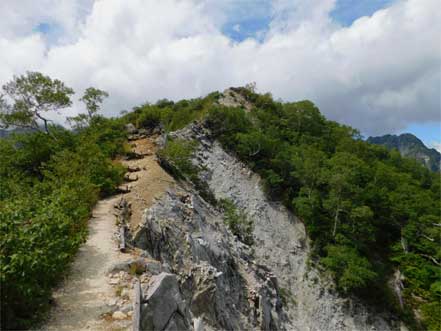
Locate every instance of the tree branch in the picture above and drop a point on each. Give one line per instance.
(432, 258)
(428, 238)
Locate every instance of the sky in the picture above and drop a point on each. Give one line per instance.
(372, 64)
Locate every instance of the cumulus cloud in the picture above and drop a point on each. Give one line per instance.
(379, 74)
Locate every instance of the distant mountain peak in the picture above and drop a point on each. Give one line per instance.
(410, 146)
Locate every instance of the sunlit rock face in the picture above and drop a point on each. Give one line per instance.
(226, 284)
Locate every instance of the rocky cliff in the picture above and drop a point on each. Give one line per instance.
(211, 280)
(409, 145)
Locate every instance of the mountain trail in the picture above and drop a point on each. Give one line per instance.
(82, 301)
(88, 297)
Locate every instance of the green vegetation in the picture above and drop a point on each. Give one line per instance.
(368, 210)
(286, 296)
(50, 180)
(172, 116)
(237, 221)
(92, 98)
(34, 95)
(178, 153)
(409, 145)
(176, 156)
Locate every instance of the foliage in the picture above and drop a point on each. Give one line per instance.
(409, 145)
(178, 153)
(92, 98)
(49, 185)
(237, 221)
(170, 115)
(368, 210)
(32, 95)
(349, 268)
(176, 157)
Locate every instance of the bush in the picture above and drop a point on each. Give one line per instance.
(172, 116)
(51, 183)
(237, 221)
(150, 117)
(178, 153)
(350, 270)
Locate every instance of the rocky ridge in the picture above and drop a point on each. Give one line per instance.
(213, 281)
(410, 146)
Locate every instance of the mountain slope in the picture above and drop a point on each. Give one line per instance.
(370, 214)
(265, 285)
(410, 146)
(280, 218)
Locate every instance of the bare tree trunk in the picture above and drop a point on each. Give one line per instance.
(398, 287)
(44, 121)
(45, 126)
(337, 212)
(404, 244)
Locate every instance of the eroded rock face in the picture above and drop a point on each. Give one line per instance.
(218, 280)
(231, 98)
(229, 285)
(164, 308)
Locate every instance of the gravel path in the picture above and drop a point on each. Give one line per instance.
(82, 301)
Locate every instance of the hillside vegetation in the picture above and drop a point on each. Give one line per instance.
(373, 216)
(370, 213)
(50, 181)
(409, 145)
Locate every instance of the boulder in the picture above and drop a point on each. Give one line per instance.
(131, 129)
(130, 177)
(164, 308)
(133, 168)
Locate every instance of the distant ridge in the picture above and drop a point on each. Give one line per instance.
(410, 146)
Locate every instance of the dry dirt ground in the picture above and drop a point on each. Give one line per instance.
(84, 301)
(152, 179)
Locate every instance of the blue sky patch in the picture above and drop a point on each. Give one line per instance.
(347, 11)
(252, 19)
(44, 28)
(427, 132)
(248, 28)
(51, 31)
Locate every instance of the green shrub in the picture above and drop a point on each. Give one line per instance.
(48, 188)
(431, 314)
(150, 117)
(237, 221)
(178, 153)
(350, 270)
(172, 116)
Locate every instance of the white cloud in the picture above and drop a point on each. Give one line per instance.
(379, 74)
(436, 145)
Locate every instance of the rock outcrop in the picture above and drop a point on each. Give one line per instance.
(219, 283)
(410, 146)
(164, 308)
(232, 98)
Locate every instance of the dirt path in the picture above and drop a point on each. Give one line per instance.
(82, 301)
(152, 179)
(87, 299)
